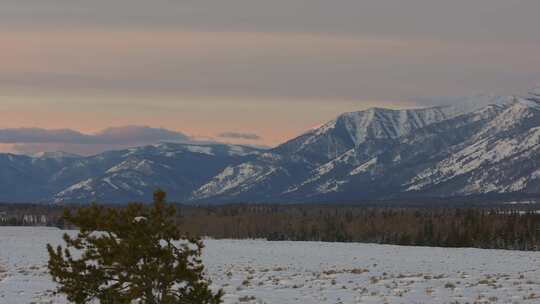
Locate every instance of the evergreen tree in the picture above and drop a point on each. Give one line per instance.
(128, 255)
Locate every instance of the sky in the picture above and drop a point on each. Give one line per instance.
(248, 71)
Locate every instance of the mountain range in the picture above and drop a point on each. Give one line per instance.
(473, 146)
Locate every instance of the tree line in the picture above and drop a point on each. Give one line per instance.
(498, 227)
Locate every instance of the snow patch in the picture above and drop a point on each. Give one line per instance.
(307, 272)
(238, 177)
(200, 149)
(143, 166)
(364, 167)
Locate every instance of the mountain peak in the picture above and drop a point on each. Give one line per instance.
(472, 145)
(468, 104)
(388, 123)
(352, 129)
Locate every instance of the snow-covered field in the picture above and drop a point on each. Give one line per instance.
(256, 271)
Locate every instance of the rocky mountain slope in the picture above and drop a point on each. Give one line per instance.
(474, 146)
(481, 145)
(116, 176)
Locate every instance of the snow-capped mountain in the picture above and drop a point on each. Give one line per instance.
(474, 146)
(136, 173)
(115, 176)
(381, 153)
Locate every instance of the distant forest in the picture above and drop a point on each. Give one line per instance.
(498, 227)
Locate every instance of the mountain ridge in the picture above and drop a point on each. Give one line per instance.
(358, 157)
(479, 145)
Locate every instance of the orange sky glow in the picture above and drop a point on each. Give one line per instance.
(274, 69)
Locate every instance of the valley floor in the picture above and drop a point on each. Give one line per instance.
(257, 271)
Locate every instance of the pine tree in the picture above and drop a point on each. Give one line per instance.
(134, 254)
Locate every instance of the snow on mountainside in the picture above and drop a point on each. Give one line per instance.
(237, 177)
(352, 129)
(510, 139)
(115, 176)
(325, 159)
(493, 149)
(476, 145)
(177, 168)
